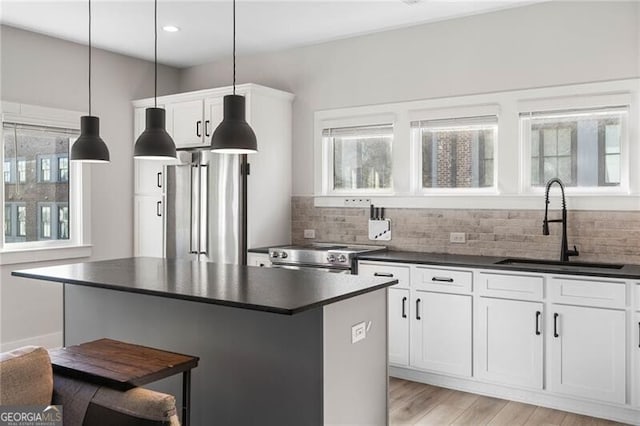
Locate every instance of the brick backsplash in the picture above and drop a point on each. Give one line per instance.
(603, 236)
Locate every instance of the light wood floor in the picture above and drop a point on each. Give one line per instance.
(419, 404)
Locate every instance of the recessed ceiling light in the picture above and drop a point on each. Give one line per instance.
(171, 28)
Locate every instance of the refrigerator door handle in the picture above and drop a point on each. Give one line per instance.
(193, 215)
(203, 207)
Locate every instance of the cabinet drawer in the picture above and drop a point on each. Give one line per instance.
(511, 286)
(601, 293)
(377, 269)
(445, 280)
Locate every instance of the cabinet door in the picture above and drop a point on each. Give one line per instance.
(149, 177)
(149, 226)
(509, 345)
(588, 352)
(187, 123)
(258, 259)
(213, 113)
(441, 332)
(399, 326)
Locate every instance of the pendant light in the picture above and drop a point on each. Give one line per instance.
(89, 147)
(234, 135)
(155, 143)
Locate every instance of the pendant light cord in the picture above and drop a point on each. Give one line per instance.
(155, 57)
(89, 57)
(234, 47)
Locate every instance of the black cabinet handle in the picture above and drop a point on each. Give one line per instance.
(418, 309)
(198, 132)
(555, 325)
(159, 208)
(639, 334)
(442, 279)
(538, 323)
(382, 274)
(404, 312)
(206, 128)
(159, 180)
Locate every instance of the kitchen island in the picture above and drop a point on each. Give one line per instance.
(276, 346)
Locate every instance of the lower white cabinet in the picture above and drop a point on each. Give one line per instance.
(635, 330)
(399, 312)
(587, 352)
(148, 212)
(441, 332)
(510, 346)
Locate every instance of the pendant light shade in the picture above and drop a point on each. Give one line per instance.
(89, 147)
(155, 143)
(234, 135)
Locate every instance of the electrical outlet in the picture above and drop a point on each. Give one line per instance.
(309, 233)
(357, 202)
(358, 332)
(457, 237)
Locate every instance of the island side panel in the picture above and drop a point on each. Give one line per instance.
(255, 367)
(356, 374)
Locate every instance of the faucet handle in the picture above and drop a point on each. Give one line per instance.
(574, 252)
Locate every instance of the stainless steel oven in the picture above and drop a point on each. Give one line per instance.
(325, 257)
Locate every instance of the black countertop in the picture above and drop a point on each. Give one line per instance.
(489, 262)
(280, 291)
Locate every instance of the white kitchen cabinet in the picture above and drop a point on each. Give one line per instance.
(213, 113)
(635, 330)
(149, 224)
(399, 306)
(399, 312)
(587, 352)
(258, 259)
(441, 332)
(149, 175)
(187, 123)
(509, 346)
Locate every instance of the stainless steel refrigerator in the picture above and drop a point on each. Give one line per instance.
(206, 207)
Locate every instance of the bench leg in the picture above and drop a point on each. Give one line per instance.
(186, 397)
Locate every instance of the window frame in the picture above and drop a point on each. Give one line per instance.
(609, 189)
(416, 149)
(78, 245)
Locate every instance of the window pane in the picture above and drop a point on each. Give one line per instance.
(63, 222)
(361, 157)
(7, 220)
(39, 157)
(575, 146)
(458, 155)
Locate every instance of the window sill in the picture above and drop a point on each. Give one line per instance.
(490, 201)
(43, 254)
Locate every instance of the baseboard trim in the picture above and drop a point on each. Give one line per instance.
(48, 341)
(624, 414)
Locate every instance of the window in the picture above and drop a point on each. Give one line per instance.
(22, 171)
(582, 148)
(63, 169)
(41, 199)
(45, 221)
(8, 228)
(457, 153)
(22, 221)
(361, 157)
(45, 169)
(63, 222)
(7, 172)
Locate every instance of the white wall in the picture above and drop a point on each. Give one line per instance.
(539, 45)
(44, 71)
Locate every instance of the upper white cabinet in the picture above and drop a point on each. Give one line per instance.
(191, 120)
(187, 123)
(510, 342)
(588, 352)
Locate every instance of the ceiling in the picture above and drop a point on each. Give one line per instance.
(127, 26)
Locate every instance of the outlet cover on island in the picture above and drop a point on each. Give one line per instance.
(457, 237)
(358, 332)
(309, 233)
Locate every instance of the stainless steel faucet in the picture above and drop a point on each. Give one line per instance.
(565, 253)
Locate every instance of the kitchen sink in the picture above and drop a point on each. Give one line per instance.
(552, 264)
